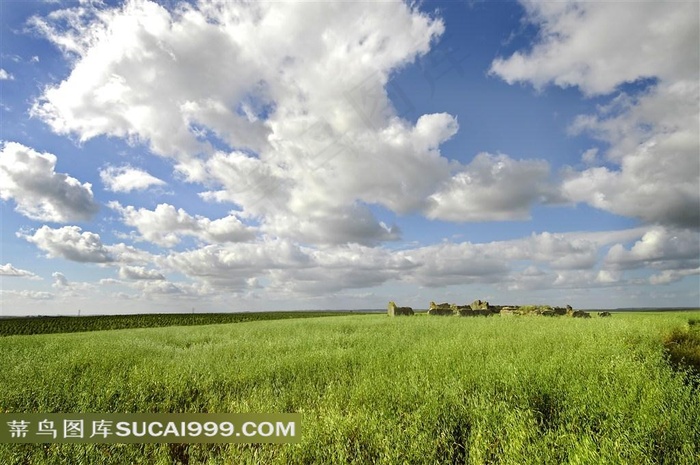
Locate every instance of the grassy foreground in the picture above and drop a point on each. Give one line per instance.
(374, 389)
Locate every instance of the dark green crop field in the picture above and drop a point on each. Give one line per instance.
(69, 324)
(378, 390)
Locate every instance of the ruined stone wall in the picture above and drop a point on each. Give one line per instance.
(395, 310)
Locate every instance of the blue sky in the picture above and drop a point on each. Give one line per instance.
(224, 156)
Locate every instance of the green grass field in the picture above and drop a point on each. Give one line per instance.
(374, 389)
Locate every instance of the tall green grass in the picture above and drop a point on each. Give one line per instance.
(373, 389)
(683, 347)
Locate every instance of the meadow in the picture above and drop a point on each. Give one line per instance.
(374, 389)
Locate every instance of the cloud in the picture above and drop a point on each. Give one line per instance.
(231, 265)
(309, 211)
(127, 179)
(267, 130)
(652, 135)
(25, 294)
(331, 270)
(165, 225)
(305, 161)
(303, 155)
(60, 280)
(354, 224)
(559, 251)
(29, 178)
(448, 263)
(123, 253)
(539, 261)
(530, 278)
(608, 276)
(69, 29)
(659, 247)
(139, 273)
(113, 47)
(5, 76)
(533, 278)
(158, 289)
(7, 270)
(71, 289)
(284, 268)
(672, 276)
(70, 243)
(655, 140)
(492, 188)
(589, 157)
(596, 46)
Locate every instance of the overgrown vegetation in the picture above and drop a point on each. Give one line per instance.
(683, 346)
(70, 324)
(374, 389)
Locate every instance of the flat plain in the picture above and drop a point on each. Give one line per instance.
(375, 389)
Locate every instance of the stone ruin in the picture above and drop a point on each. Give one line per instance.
(476, 308)
(480, 305)
(580, 314)
(395, 310)
(484, 308)
(440, 309)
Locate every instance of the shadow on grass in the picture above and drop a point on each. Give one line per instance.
(683, 348)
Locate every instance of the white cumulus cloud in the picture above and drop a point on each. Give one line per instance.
(29, 178)
(139, 273)
(25, 294)
(10, 271)
(652, 136)
(671, 276)
(598, 45)
(166, 225)
(71, 243)
(492, 188)
(127, 179)
(655, 140)
(237, 97)
(59, 280)
(231, 265)
(300, 153)
(659, 247)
